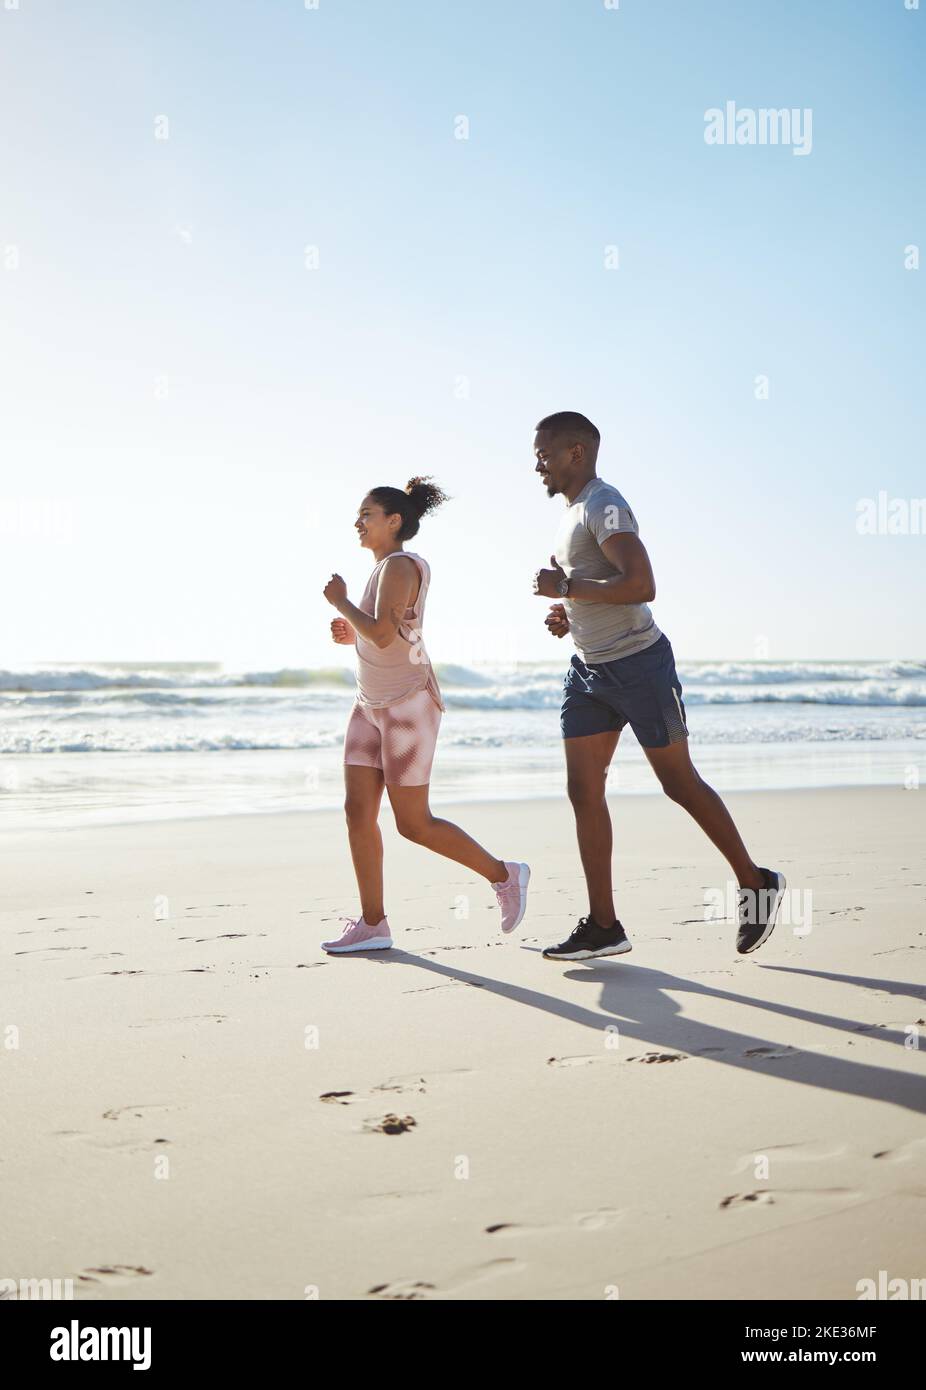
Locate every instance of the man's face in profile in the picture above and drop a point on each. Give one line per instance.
(554, 461)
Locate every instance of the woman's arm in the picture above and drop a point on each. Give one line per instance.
(393, 596)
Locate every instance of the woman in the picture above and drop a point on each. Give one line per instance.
(392, 731)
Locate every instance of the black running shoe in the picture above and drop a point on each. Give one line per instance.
(590, 940)
(756, 911)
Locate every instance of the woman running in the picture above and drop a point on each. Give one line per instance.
(392, 730)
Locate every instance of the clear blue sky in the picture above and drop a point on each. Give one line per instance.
(205, 524)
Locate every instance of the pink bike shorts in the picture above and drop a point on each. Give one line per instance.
(400, 739)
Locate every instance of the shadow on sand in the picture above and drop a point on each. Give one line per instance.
(636, 999)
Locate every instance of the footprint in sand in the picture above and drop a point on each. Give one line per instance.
(138, 1127)
(222, 936)
(791, 1153)
(462, 946)
(599, 1220)
(403, 1084)
(658, 1057)
(400, 1085)
(579, 1061)
(787, 1195)
(112, 1274)
(404, 1290)
(418, 1288)
(914, 1148)
(389, 1199)
(135, 1112)
(198, 907)
(390, 1124)
(484, 1273)
(770, 1053)
(584, 1061)
(739, 1199)
(108, 974)
(108, 1142)
(586, 1221)
(41, 950)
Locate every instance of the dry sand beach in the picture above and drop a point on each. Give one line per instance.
(197, 1100)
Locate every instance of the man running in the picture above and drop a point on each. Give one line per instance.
(623, 673)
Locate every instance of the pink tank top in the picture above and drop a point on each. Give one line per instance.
(386, 675)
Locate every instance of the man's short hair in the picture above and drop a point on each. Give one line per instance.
(570, 426)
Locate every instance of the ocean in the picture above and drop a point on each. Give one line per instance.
(110, 742)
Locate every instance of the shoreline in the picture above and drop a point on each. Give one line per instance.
(241, 784)
(447, 807)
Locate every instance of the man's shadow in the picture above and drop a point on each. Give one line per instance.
(635, 999)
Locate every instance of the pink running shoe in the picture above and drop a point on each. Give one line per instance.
(360, 936)
(512, 894)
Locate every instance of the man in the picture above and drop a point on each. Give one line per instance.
(623, 673)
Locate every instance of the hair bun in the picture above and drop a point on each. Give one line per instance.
(424, 495)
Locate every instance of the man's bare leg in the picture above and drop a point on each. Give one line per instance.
(682, 782)
(587, 762)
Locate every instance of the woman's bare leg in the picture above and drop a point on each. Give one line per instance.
(364, 792)
(414, 820)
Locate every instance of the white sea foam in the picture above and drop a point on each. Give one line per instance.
(169, 676)
(204, 709)
(524, 686)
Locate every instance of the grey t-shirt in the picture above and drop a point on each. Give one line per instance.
(601, 631)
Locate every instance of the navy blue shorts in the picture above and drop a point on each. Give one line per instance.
(642, 690)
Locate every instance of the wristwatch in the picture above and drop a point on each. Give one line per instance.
(562, 587)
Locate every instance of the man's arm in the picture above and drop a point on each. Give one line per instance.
(392, 598)
(556, 621)
(633, 581)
